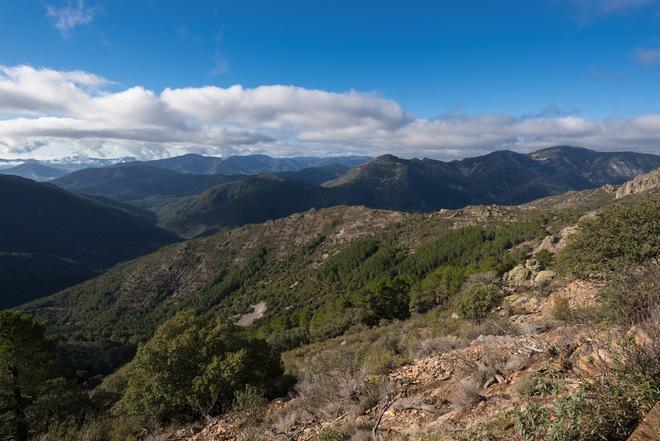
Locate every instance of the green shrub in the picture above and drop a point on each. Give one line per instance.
(610, 405)
(475, 302)
(545, 258)
(250, 403)
(380, 360)
(620, 235)
(190, 368)
(631, 294)
(384, 299)
(330, 434)
(36, 392)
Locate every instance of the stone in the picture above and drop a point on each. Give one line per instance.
(544, 276)
(517, 276)
(533, 265)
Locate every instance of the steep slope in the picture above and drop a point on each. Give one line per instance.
(110, 313)
(34, 171)
(646, 182)
(49, 234)
(556, 356)
(597, 168)
(315, 175)
(131, 182)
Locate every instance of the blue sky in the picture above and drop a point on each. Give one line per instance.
(528, 62)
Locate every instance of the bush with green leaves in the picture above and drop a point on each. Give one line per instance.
(618, 236)
(631, 294)
(191, 367)
(545, 258)
(330, 434)
(384, 299)
(475, 302)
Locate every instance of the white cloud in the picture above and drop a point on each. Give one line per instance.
(50, 113)
(647, 56)
(73, 14)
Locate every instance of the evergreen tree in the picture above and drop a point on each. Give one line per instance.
(34, 392)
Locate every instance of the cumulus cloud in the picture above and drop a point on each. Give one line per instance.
(50, 113)
(73, 14)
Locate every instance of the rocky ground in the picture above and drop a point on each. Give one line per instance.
(470, 383)
(474, 385)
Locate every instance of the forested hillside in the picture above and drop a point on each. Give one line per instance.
(52, 239)
(482, 321)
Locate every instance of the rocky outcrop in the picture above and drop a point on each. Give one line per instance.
(531, 274)
(640, 183)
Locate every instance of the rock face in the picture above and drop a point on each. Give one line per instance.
(649, 429)
(557, 241)
(639, 184)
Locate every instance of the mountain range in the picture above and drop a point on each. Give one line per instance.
(249, 164)
(414, 185)
(54, 237)
(45, 170)
(35, 171)
(501, 177)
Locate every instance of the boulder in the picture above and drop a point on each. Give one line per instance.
(518, 276)
(543, 277)
(533, 265)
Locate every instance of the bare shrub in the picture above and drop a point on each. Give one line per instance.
(561, 309)
(467, 391)
(490, 326)
(437, 345)
(249, 404)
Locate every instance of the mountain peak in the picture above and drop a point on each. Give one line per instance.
(388, 158)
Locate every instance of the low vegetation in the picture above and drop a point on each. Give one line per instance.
(343, 322)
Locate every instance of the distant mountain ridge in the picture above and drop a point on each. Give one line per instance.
(247, 164)
(501, 177)
(135, 181)
(188, 164)
(35, 171)
(414, 185)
